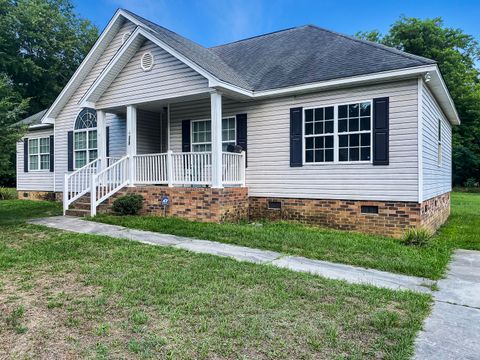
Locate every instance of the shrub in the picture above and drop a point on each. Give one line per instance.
(128, 205)
(417, 237)
(7, 193)
(471, 183)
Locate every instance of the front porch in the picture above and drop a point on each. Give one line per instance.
(140, 154)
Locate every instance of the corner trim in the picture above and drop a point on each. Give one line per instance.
(420, 137)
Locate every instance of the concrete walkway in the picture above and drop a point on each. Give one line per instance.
(452, 331)
(351, 274)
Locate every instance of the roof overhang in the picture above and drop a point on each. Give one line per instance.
(93, 55)
(436, 83)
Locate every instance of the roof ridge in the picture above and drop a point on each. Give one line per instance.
(376, 45)
(170, 34)
(258, 36)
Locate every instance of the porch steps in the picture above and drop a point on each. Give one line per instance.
(81, 207)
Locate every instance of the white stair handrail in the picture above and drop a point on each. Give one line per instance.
(107, 182)
(77, 183)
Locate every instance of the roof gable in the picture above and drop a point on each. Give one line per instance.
(168, 78)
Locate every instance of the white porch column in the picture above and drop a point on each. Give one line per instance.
(131, 141)
(102, 138)
(216, 113)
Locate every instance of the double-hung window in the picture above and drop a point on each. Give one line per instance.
(355, 132)
(85, 148)
(202, 134)
(338, 134)
(39, 154)
(319, 134)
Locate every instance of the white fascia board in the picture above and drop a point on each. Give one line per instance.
(212, 80)
(48, 115)
(440, 91)
(86, 98)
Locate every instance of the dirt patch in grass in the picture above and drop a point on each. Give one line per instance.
(57, 316)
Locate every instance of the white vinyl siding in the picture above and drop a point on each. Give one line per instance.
(268, 126)
(34, 180)
(117, 135)
(168, 78)
(437, 167)
(148, 132)
(66, 118)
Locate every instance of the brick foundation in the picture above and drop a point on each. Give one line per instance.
(37, 195)
(392, 219)
(198, 204)
(434, 212)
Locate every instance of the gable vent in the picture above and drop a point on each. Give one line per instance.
(125, 37)
(147, 61)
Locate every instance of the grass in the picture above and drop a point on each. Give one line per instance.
(17, 211)
(77, 295)
(461, 231)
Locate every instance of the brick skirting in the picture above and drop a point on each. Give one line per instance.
(234, 204)
(37, 195)
(198, 204)
(435, 211)
(392, 219)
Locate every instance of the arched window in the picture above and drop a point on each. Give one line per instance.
(85, 138)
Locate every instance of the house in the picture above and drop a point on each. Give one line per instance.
(332, 130)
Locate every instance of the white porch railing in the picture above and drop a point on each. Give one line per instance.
(151, 169)
(193, 168)
(233, 168)
(107, 182)
(169, 168)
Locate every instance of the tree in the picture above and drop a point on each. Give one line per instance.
(11, 108)
(42, 42)
(457, 54)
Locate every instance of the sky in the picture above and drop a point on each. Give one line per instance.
(214, 22)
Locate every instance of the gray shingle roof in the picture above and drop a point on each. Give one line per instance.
(34, 119)
(288, 57)
(309, 54)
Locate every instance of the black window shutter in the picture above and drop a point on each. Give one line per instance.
(70, 150)
(296, 157)
(381, 131)
(242, 131)
(25, 155)
(107, 139)
(52, 157)
(186, 135)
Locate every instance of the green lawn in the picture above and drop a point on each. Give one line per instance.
(370, 251)
(69, 295)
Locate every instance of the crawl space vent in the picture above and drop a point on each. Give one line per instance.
(147, 61)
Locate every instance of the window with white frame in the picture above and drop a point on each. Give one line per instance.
(355, 132)
(85, 148)
(439, 160)
(202, 134)
(349, 141)
(319, 134)
(229, 132)
(39, 154)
